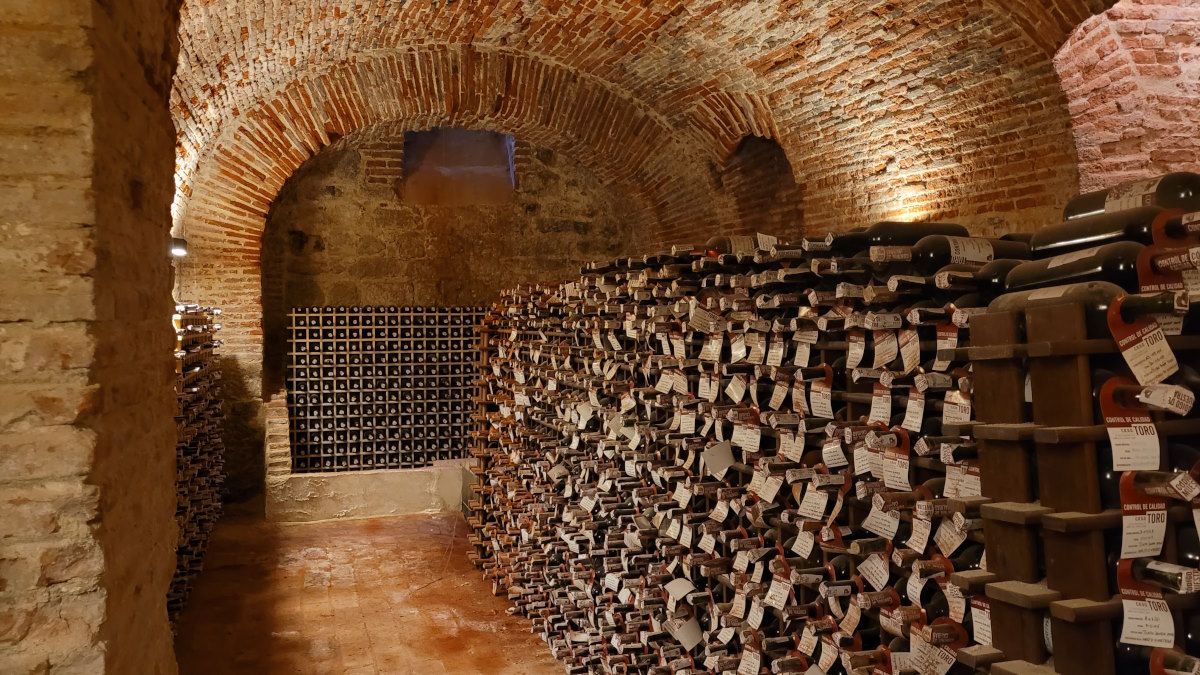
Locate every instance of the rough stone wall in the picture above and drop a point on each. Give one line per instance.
(1132, 78)
(759, 178)
(341, 233)
(86, 469)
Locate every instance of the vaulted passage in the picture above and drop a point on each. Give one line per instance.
(529, 284)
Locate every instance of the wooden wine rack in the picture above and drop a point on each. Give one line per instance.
(379, 387)
(199, 450)
(1048, 537)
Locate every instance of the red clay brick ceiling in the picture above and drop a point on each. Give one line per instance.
(866, 97)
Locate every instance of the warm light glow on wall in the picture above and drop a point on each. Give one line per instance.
(907, 204)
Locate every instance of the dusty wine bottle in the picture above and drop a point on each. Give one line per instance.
(1176, 190)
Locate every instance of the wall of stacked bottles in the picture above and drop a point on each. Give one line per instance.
(380, 387)
(199, 451)
(899, 449)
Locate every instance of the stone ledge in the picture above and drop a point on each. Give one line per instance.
(300, 498)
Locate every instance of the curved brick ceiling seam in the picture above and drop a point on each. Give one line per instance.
(753, 115)
(224, 65)
(235, 186)
(681, 60)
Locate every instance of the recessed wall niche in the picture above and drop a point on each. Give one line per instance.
(345, 231)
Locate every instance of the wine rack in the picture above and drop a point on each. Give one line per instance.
(379, 387)
(199, 450)
(757, 456)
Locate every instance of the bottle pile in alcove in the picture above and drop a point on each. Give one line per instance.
(756, 456)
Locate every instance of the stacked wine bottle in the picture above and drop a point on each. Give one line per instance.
(380, 387)
(199, 450)
(755, 456)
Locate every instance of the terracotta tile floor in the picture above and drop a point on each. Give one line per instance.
(379, 596)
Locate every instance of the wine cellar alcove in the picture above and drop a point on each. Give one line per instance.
(215, 175)
(348, 233)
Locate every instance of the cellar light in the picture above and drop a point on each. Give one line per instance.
(179, 247)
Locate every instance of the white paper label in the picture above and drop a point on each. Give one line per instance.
(1067, 258)
(1148, 623)
(1134, 447)
(1142, 534)
(967, 250)
(821, 398)
(875, 569)
(881, 523)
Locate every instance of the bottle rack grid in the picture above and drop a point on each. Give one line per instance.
(199, 450)
(726, 461)
(379, 387)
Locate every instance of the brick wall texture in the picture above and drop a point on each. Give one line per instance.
(988, 112)
(1132, 79)
(87, 533)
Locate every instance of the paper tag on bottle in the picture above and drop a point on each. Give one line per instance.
(914, 412)
(919, 540)
(886, 347)
(750, 664)
(1134, 442)
(803, 546)
(736, 388)
(801, 359)
(879, 321)
(850, 622)
(955, 602)
(687, 423)
(711, 351)
(910, 349)
(1144, 347)
(814, 503)
(895, 471)
(770, 488)
(863, 459)
(876, 570)
(1131, 195)
(1143, 528)
(968, 250)
(948, 537)
(682, 495)
(1067, 258)
(981, 618)
(881, 405)
(956, 408)
(831, 454)
(775, 353)
(677, 346)
(947, 339)
(1169, 397)
(737, 348)
(778, 593)
(778, 395)
(856, 348)
(882, 523)
(963, 480)
(1147, 622)
(821, 398)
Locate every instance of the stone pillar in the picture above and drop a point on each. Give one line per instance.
(87, 528)
(1130, 75)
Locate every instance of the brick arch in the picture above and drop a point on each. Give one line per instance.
(239, 177)
(242, 172)
(1132, 80)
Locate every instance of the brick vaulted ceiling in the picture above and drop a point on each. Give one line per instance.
(933, 108)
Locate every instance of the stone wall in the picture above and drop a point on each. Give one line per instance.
(341, 233)
(1132, 78)
(86, 400)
